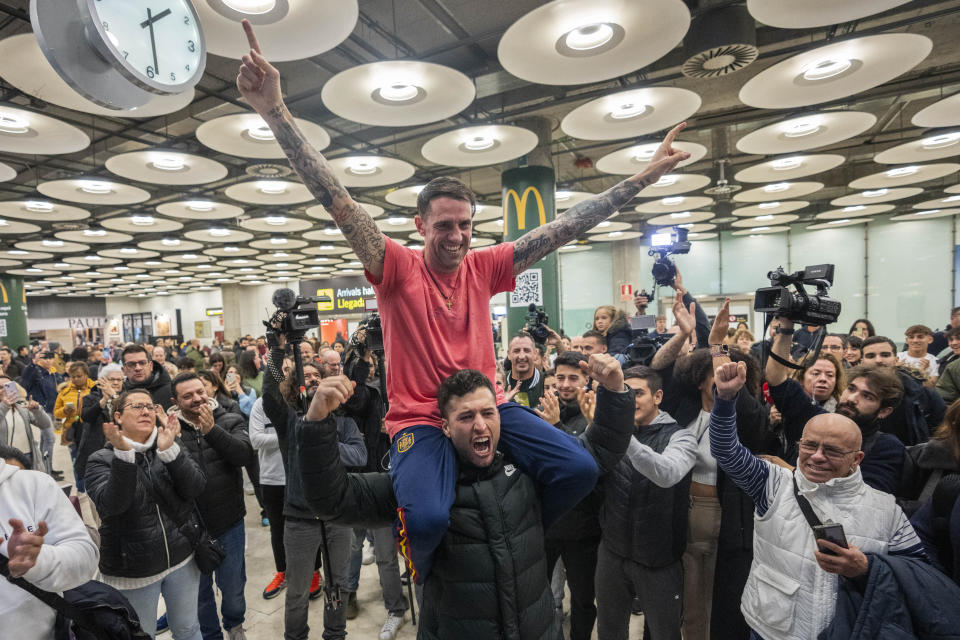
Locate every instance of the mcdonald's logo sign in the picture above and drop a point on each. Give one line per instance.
(520, 204)
(3, 291)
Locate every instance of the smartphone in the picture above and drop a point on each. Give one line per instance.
(10, 388)
(831, 532)
(231, 377)
(69, 405)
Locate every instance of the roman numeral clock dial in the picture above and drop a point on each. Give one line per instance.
(152, 46)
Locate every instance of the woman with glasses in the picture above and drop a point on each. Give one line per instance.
(144, 485)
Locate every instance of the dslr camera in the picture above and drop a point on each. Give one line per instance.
(798, 305)
(662, 245)
(537, 324)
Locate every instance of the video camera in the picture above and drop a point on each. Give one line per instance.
(372, 335)
(798, 305)
(663, 244)
(643, 346)
(537, 324)
(295, 315)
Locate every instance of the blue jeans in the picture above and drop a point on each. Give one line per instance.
(423, 468)
(356, 561)
(231, 576)
(179, 591)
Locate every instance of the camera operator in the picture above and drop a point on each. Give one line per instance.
(302, 536)
(871, 394)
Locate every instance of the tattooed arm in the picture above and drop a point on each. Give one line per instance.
(259, 82)
(589, 213)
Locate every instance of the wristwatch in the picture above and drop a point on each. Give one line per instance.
(719, 350)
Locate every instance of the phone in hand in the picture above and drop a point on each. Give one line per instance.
(231, 378)
(69, 406)
(10, 388)
(831, 532)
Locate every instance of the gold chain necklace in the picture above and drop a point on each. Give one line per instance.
(448, 300)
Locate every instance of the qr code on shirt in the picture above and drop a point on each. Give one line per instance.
(529, 289)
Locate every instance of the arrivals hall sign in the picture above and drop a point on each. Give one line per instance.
(347, 294)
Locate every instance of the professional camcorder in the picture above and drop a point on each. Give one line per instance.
(643, 346)
(369, 335)
(663, 244)
(295, 315)
(537, 324)
(798, 305)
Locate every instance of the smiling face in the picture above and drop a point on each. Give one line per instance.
(446, 229)
(472, 423)
(137, 416)
(522, 355)
(820, 380)
(829, 448)
(917, 343)
(190, 395)
(569, 381)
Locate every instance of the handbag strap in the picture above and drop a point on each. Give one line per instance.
(54, 601)
(805, 506)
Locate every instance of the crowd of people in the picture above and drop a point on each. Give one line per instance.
(803, 486)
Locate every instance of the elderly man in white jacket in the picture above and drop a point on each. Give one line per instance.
(791, 593)
(45, 542)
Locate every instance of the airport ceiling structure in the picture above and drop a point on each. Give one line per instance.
(811, 114)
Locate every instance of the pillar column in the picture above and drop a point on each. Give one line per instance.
(13, 312)
(528, 192)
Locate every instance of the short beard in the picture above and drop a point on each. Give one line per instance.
(866, 422)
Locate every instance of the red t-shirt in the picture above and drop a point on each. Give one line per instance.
(424, 341)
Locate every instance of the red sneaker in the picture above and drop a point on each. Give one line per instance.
(276, 585)
(316, 586)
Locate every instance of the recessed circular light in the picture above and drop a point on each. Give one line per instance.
(95, 187)
(768, 205)
(232, 249)
(272, 188)
(900, 172)
(170, 242)
(95, 233)
(276, 221)
(251, 7)
(399, 92)
(37, 206)
(941, 141)
(665, 181)
(168, 163)
(13, 124)
(776, 187)
(874, 193)
(218, 232)
(628, 110)
(479, 143)
(143, 221)
(801, 128)
(824, 69)
(589, 37)
(200, 205)
(785, 164)
(672, 200)
(856, 207)
(682, 214)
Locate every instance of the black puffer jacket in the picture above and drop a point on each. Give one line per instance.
(489, 577)
(583, 521)
(619, 336)
(139, 537)
(157, 384)
(221, 454)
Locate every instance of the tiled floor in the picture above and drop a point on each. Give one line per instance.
(264, 620)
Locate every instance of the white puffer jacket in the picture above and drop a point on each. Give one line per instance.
(788, 595)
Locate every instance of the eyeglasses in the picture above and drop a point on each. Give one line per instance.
(140, 406)
(832, 347)
(137, 364)
(832, 453)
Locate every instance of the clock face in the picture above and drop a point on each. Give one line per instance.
(156, 43)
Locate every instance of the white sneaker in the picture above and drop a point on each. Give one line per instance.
(391, 626)
(368, 555)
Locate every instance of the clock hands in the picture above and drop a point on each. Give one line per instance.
(153, 43)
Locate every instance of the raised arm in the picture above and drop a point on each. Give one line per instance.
(776, 373)
(589, 213)
(259, 83)
(667, 354)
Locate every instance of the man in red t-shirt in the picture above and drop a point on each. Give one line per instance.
(434, 305)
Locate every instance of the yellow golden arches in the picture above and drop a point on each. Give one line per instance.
(3, 291)
(520, 203)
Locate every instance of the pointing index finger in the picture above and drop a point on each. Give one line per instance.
(251, 36)
(673, 132)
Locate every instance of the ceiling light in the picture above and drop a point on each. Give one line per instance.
(233, 249)
(331, 231)
(768, 205)
(398, 92)
(170, 272)
(272, 187)
(479, 143)
(276, 221)
(170, 242)
(200, 205)
(94, 187)
(800, 128)
(644, 155)
(628, 110)
(615, 234)
(951, 198)
(143, 221)
(752, 235)
(839, 221)
(928, 212)
(278, 240)
(685, 214)
(605, 223)
(875, 193)
(899, 172)
(776, 187)
(281, 254)
(363, 167)
(246, 269)
(824, 69)
(785, 164)
(222, 280)
(498, 222)
(563, 195)
(168, 163)
(94, 233)
(251, 7)
(261, 132)
(218, 232)
(941, 141)
(51, 243)
(240, 261)
(19, 252)
(665, 181)
(4, 223)
(589, 37)
(122, 268)
(764, 218)
(686, 226)
(38, 207)
(87, 258)
(396, 221)
(153, 263)
(857, 207)
(205, 266)
(61, 265)
(672, 200)
(10, 123)
(760, 229)
(189, 256)
(34, 270)
(283, 265)
(128, 250)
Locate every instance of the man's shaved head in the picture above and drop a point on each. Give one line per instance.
(829, 448)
